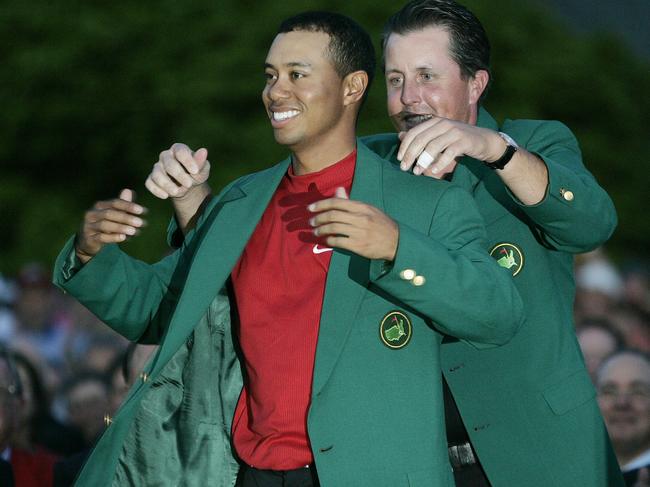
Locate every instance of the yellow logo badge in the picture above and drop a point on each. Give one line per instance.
(509, 256)
(395, 330)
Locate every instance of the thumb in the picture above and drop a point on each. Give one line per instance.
(341, 193)
(201, 155)
(127, 195)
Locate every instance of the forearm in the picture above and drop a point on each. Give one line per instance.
(126, 294)
(188, 208)
(575, 214)
(526, 176)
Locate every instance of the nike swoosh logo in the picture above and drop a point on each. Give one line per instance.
(320, 250)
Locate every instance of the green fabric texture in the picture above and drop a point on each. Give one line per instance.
(376, 412)
(529, 406)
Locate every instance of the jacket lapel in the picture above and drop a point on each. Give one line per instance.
(220, 243)
(347, 277)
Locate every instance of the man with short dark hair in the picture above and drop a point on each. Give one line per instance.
(297, 325)
(529, 415)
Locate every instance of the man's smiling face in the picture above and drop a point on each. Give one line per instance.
(303, 93)
(423, 80)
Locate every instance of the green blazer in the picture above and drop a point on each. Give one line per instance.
(529, 406)
(376, 415)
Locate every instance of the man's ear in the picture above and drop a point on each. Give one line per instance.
(354, 87)
(477, 85)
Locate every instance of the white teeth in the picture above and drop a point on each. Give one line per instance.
(280, 116)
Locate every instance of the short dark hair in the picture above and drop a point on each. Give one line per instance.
(350, 48)
(469, 46)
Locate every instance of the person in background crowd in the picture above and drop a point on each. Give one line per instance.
(636, 279)
(42, 325)
(36, 425)
(598, 339)
(599, 285)
(31, 466)
(122, 374)
(87, 396)
(623, 383)
(633, 323)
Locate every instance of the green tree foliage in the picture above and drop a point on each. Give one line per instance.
(92, 92)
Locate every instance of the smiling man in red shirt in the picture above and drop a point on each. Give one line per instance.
(334, 305)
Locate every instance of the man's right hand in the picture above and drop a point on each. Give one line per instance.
(178, 171)
(111, 221)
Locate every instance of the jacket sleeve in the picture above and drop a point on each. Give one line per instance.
(134, 298)
(461, 288)
(576, 214)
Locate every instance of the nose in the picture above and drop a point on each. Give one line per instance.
(410, 93)
(622, 401)
(277, 89)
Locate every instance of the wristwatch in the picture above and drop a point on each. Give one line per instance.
(511, 148)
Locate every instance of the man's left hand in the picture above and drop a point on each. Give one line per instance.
(445, 141)
(355, 226)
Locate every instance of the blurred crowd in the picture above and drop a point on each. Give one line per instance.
(63, 374)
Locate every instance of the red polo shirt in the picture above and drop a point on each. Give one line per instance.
(279, 284)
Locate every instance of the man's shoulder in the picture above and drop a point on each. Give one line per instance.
(523, 130)
(384, 145)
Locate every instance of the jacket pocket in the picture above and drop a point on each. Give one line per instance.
(571, 392)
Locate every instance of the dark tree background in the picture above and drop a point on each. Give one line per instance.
(92, 92)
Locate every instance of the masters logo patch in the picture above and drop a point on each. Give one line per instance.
(395, 330)
(509, 256)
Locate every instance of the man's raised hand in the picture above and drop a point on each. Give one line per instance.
(178, 171)
(111, 221)
(355, 226)
(433, 147)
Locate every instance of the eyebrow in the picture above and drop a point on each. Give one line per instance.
(294, 64)
(418, 68)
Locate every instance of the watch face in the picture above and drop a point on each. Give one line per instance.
(509, 140)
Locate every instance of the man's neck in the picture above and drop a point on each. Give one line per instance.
(319, 156)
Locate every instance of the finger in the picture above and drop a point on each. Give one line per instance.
(331, 216)
(432, 141)
(424, 160)
(109, 227)
(126, 195)
(203, 174)
(171, 168)
(155, 190)
(337, 204)
(163, 181)
(413, 133)
(121, 205)
(340, 192)
(107, 238)
(335, 228)
(183, 154)
(446, 159)
(201, 155)
(437, 148)
(340, 242)
(118, 216)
